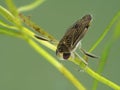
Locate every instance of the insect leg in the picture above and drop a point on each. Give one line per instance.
(81, 58)
(41, 38)
(88, 54)
(46, 39)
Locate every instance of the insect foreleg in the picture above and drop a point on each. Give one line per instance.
(81, 58)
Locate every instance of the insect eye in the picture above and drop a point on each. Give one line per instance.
(66, 55)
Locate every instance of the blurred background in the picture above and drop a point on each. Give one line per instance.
(22, 68)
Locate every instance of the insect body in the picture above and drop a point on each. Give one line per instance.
(72, 38)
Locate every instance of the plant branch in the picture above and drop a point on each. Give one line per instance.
(29, 37)
(56, 64)
(30, 6)
(105, 32)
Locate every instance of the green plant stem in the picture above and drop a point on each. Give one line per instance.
(105, 32)
(48, 57)
(96, 75)
(47, 44)
(10, 32)
(29, 38)
(102, 79)
(54, 62)
(6, 14)
(38, 29)
(59, 67)
(30, 6)
(7, 26)
(12, 7)
(88, 70)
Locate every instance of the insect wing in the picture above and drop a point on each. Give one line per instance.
(80, 28)
(72, 37)
(68, 38)
(77, 36)
(76, 32)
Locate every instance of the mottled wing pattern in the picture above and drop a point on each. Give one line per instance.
(80, 27)
(65, 43)
(79, 32)
(74, 34)
(68, 37)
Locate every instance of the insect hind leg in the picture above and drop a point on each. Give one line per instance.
(88, 54)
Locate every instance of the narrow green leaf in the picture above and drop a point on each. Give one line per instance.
(9, 32)
(12, 7)
(117, 30)
(102, 63)
(56, 64)
(102, 79)
(62, 69)
(106, 51)
(105, 32)
(35, 27)
(6, 14)
(31, 6)
(7, 26)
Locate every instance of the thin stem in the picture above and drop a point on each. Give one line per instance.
(27, 37)
(54, 62)
(88, 70)
(102, 79)
(12, 7)
(30, 6)
(8, 26)
(6, 14)
(105, 32)
(95, 75)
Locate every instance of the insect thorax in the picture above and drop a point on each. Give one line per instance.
(62, 48)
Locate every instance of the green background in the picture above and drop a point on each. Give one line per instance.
(22, 68)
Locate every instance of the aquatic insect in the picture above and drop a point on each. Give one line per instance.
(72, 39)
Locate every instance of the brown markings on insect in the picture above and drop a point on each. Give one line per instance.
(73, 36)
